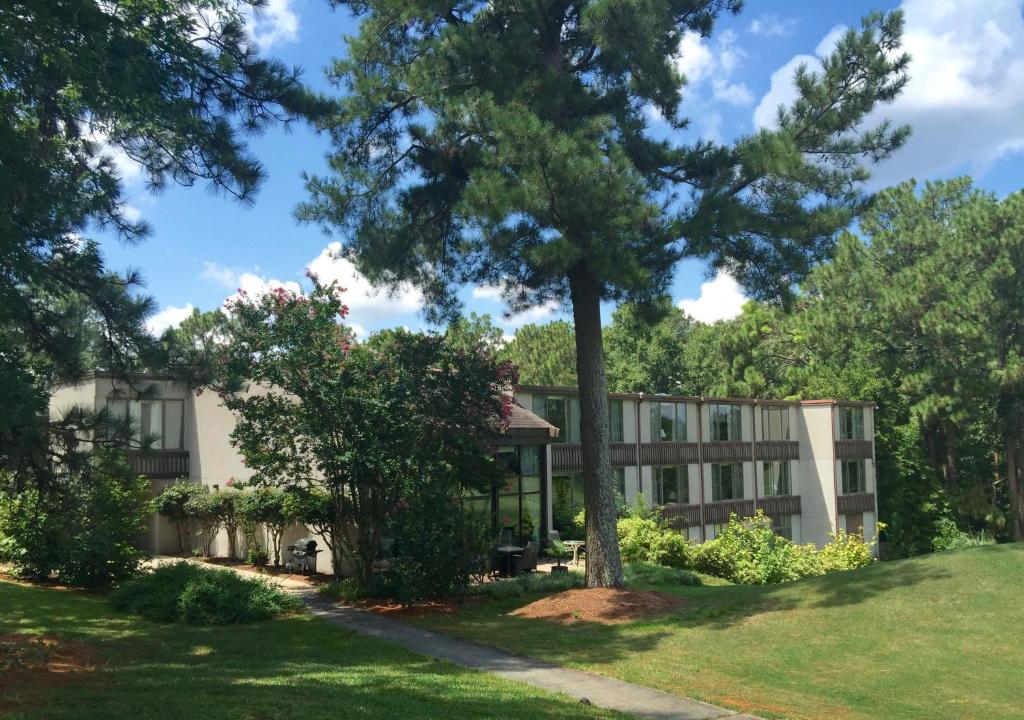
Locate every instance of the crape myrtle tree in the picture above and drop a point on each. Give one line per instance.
(506, 144)
(359, 427)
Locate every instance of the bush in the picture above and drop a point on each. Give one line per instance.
(529, 584)
(644, 539)
(257, 556)
(82, 529)
(203, 509)
(846, 551)
(643, 573)
(749, 552)
(948, 536)
(186, 592)
(347, 590)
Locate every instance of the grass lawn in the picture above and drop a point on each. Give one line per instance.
(933, 637)
(296, 667)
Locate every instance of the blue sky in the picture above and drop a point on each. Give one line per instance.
(965, 102)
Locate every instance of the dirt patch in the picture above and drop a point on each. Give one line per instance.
(607, 606)
(43, 660)
(432, 607)
(268, 570)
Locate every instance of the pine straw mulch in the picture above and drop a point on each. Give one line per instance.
(43, 660)
(606, 606)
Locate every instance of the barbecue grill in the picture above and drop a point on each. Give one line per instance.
(302, 557)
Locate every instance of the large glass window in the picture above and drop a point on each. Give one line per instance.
(160, 421)
(776, 478)
(671, 485)
(774, 423)
(561, 411)
(726, 481)
(783, 526)
(851, 423)
(567, 500)
(668, 422)
(726, 423)
(519, 494)
(615, 421)
(854, 480)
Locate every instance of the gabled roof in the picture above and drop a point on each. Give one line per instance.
(524, 426)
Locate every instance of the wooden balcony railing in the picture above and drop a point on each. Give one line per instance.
(779, 505)
(568, 457)
(669, 453)
(774, 450)
(853, 449)
(681, 516)
(856, 503)
(159, 464)
(719, 512)
(732, 451)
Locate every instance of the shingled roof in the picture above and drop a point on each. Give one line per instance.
(524, 426)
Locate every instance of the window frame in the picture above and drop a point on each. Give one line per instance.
(679, 425)
(782, 412)
(862, 481)
(783, 480)
(851, 423)
(716, 482)
(732, 411)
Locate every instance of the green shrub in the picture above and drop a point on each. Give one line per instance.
(949, 536)
(529, 584)
(846, 551)
(643, 573)
(347, 590)
(644, 539)
(189, 593)
(749, 552)
(257, 556)
(82, 529)
(203, 509)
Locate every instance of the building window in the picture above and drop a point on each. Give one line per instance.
(774, 423)
(615, 421)
(776, 478)
(668, 422)
(783, 526)
(717, 529)
(725, 422)
(619, 475)
(671, 485)
(561, 411)
(567, 500)
(855, 524)
(854, 480)
(517, 499)
(726, 481)
(851, 423)
(159, 422)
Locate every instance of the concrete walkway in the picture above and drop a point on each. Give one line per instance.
(604, 692)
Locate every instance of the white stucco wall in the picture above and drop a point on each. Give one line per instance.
(814, 431)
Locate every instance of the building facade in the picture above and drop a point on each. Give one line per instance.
(809, 465)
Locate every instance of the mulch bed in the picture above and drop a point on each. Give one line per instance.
(43, 660)
(606, 606)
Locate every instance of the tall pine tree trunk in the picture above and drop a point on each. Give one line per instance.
(604, 566)
(1013, 485)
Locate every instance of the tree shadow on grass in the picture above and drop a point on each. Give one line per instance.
(296, 667)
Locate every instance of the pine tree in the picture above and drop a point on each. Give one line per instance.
(505, 143)
(545, 354)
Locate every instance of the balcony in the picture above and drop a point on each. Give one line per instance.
(719, 512)
(159, 464)
(853, 450)
(856, 503)
(680, 516)
(728, 451)
(777, 450)
(669, 453)
(568, 457)
(779, 505)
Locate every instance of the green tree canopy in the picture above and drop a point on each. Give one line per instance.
(506, 143)
(545, 354)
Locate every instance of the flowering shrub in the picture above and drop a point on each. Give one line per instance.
(647, 540)
(750, 553)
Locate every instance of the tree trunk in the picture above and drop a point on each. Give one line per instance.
(604, 566)
(1013, 487)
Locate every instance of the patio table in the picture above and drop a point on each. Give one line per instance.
(506, 552)
(575, 546)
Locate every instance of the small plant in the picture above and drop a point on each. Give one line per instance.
(526, 585)
(346, 590)
(257, 556)
(949, 536)
(643, 573)
(190, 593)
(645, 539)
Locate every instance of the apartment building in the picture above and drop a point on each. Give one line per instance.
(809, 465)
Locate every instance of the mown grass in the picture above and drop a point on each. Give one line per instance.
(932, 637)
(294, 667)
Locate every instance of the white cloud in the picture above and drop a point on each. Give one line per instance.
(129, 170)
(366, 303)
(706, 63)
(965, 96)
(773, 26)
(244, 282)
(169, 317)
(710, 126)
(275, 24)
(496, 294)
(720, 299)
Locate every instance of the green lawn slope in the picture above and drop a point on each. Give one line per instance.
(939, 636)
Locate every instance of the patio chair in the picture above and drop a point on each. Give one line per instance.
(527, 561)
(507, 536)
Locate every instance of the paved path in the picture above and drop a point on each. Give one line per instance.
(605, 692)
